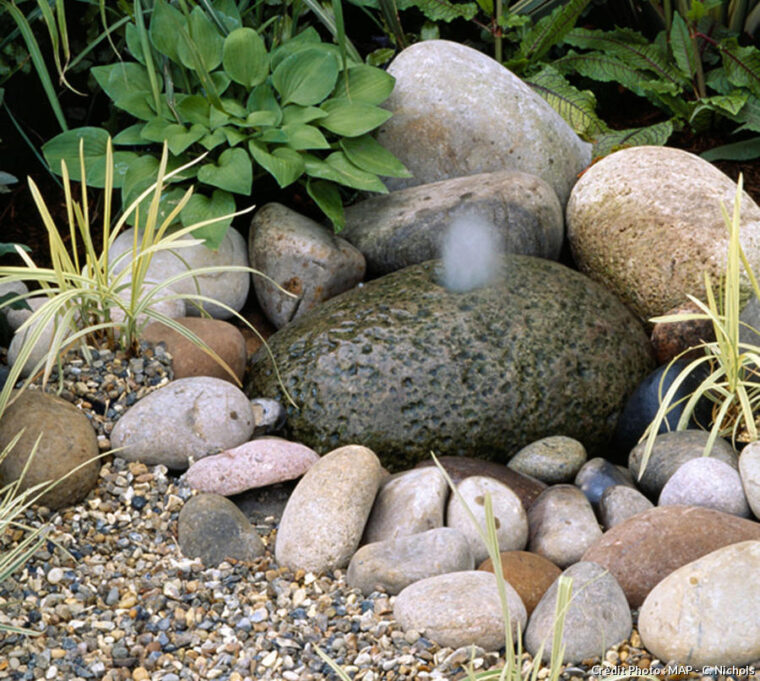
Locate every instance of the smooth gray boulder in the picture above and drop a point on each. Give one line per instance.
(554, 459)
(303, 257)
(189, 418)
(458, 112)
(706, 612)
(597, 618)
(408, 226)
(394, 564)
(407, 367)
(647, 223)
(325, 516)
(459, 609)
(620, 502)
(749, 468)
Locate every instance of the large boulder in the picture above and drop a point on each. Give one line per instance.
(66, 451)
(409, 226)
(647, 223)
(458, 112)
(407, 367)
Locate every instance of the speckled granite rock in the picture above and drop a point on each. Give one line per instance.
(407, 367)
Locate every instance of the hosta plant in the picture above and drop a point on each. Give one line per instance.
(302, 111)
(732, 380)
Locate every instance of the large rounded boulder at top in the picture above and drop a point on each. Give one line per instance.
(405, 366)
(647, 222)
(458, 112)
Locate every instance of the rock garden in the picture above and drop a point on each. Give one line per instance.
(298, 455)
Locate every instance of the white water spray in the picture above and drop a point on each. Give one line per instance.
(471, 253)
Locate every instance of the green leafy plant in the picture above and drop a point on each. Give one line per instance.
(732, 381)
(302, 111)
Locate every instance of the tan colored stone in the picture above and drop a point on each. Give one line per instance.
(670, 339)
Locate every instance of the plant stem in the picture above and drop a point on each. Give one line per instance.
(497, 35)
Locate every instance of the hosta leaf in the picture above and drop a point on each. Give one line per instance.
(137, 104)
(368, 154)
(221, 81)
(139, 176)
(245, 58)
(300, 136)
(165, 24)
(316, 167)
(258, 118)
(122, 79)
(682, 47)
(285, 165)
(366, 84)
(213, 140)
(304, 40)
(262, 99)
(301, 114)
(133, 43)
(577, 107)
(155, 130)
(65, 147)
(327, 197)
(351, 119)
(232, 172)
(613, 140)
(354, 177)
(551, 29)
(306, 77)
(201, 208)
(233, 136)
(234, 108)
(443, 10)
(179, 137)
(229, 14)
(741, 64)
(192, 109)
(131, 136)
(200, 40)
(273, 135)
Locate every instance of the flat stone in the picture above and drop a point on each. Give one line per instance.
(408, 226)
(188, 418)
(597, 475)
(408, 503)
(459, 609)
(706, 482)
(562, 525)
(705, 613)
(460, 467)
(258, 463)
(749, 468)
(189, 359)
(597, 617)
(394, 564)
(620, 502)
(510, 518)
(325, 516)
(444, 104)
(647, 222)
(529, 574)
(68, 442)
(646, 548)
(554, 459)
(303, 257)
(670, 452)
(212, 528)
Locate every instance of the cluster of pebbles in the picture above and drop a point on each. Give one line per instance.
(111, 596)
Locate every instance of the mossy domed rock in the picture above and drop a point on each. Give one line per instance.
(403, 366)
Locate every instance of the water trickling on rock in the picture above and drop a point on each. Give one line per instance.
(471, 254)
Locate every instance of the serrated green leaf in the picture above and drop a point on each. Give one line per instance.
(300, 114)
(749, 116)
(245, 58)
(551, 29)
(306, 77)
(201, 208)
(354, 177)
(165, 24)
(682, 47)
(300, 136)
(366, 84)
(327, 197)
(443, 10)
(367, 153)
(200, 39)
(577, 107)
(614, 140)
(285, 165)
(741, 64)
(380, 56)
(351, 119)
(232, 172)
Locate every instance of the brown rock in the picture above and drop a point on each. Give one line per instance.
(68, 441)
(461, 467)
(189, 359)
(646, 548)
(670, 339)
(528, 573)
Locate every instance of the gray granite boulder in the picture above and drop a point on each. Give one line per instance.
(408, 226)
(189, 418)
(705, 613)
(212, 528)
(458, 112)
(394, 564)
(459, 609)
(325, 516)
(407, 367)
(670, 452)
(552, 459)
(620, 502)
(749, 468)
(647, 223)
(597, 618)
(306, 259)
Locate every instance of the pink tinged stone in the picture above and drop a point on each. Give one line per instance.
(258, 463)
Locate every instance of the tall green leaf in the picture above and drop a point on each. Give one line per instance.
(613, 140)
(550, 30)
(327, 197)
(166, 22)
(245, 57)
(200, 41)
(746, 150)
(443, 10)
(682, 47)
(306, 77)
(741, 64)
